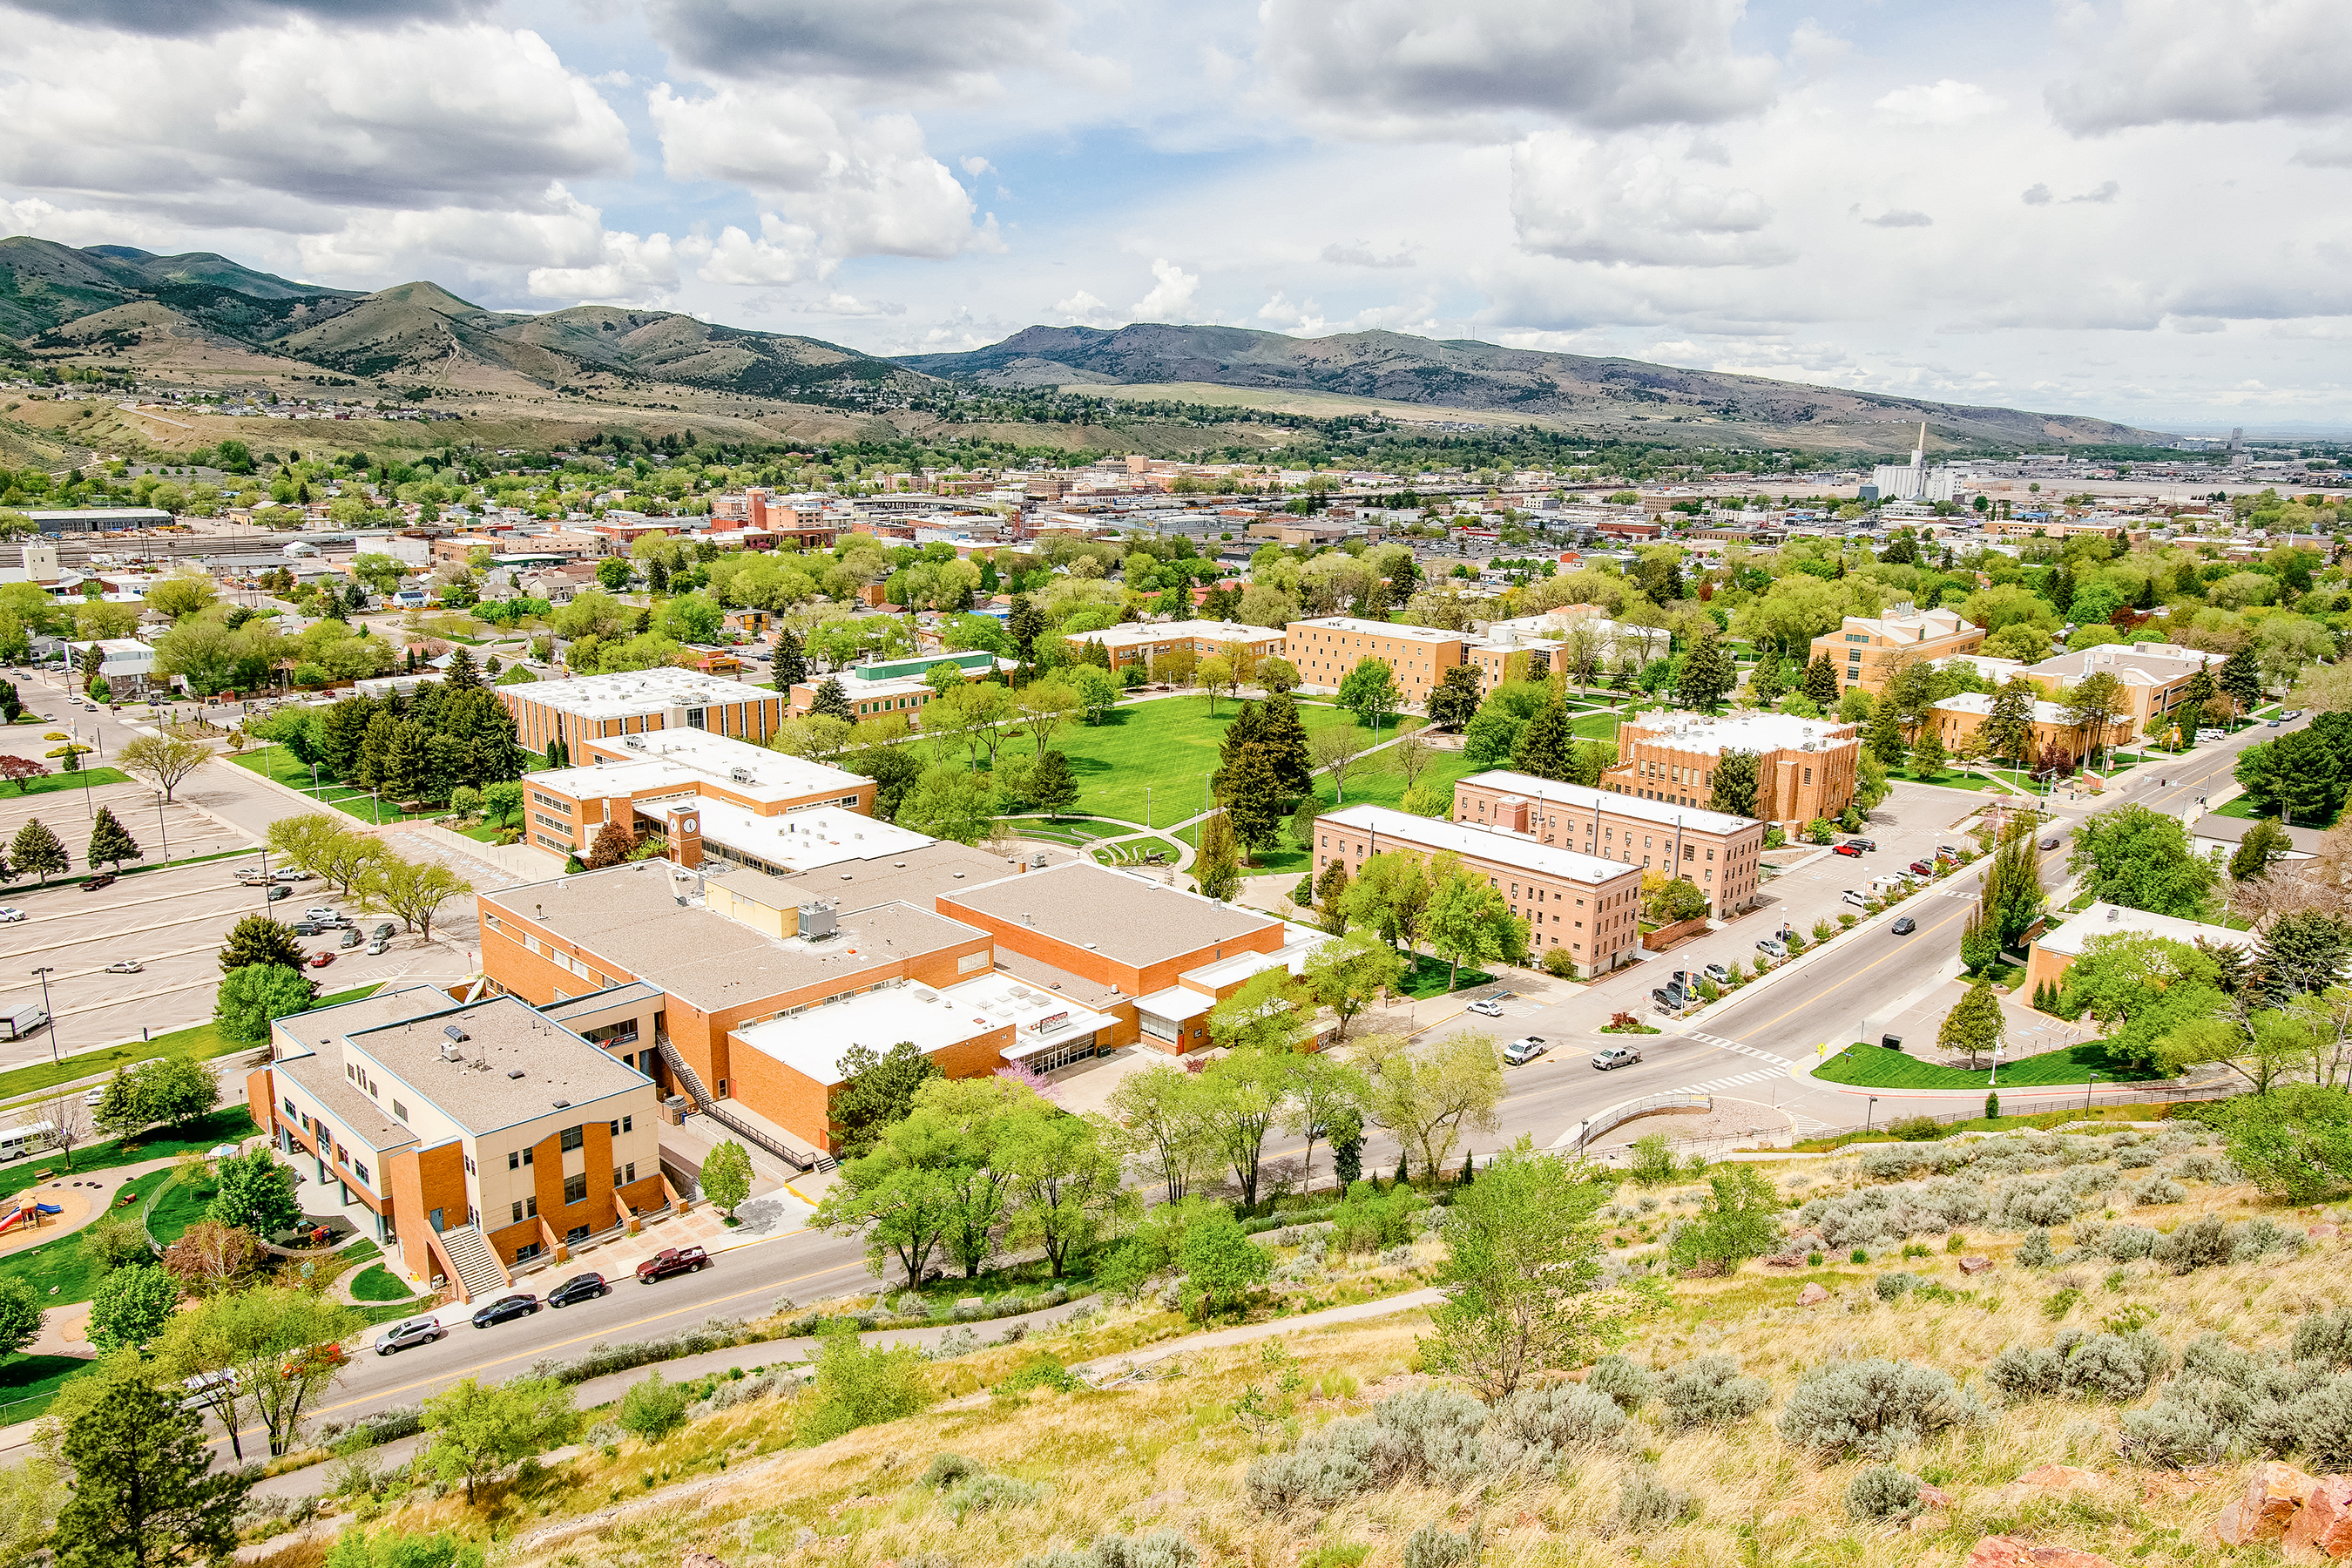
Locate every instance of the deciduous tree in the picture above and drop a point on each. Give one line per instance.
(1430, 1096)
(478, 1430)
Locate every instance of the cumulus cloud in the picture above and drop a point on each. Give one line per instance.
(1399, 67)
(2036, 196)
(1083, 310)
(784, 253)
(1946, 102)
(839, 304)
(418, 118)
(1585, 201)
(895, 43)
(2149, 61)
(629, 270)
(2100, 194)
(1363, 253)
(1278, 311)
(1171, 299)
(862, 184)
(194, 18)
(1901, 217)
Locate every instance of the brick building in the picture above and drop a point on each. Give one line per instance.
(1804, 767)
(1138, 641)
(480, 1134)
(1718, 854)
(1583, 904)
(2156, 676)
(733, 788)
(1959, 716)
(1865, 650)
(1325, 650)
(902, 688)
(595, 707)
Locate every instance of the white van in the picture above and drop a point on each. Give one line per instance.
(1856, 900)
(17, 1021)
(16, 1143)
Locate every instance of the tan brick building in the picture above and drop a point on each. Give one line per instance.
(1717, 853)
(1963, 714)
(1867, 650)
(1325, 650)
(644, 781)
(1585, 905)
(2156, 676)
(595, 707)
(1804, 767)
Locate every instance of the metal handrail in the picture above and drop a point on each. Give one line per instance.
(1618, 1115)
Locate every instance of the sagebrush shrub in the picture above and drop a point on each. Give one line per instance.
(2158, 1190)
(984, 1494)
(2133, 1158)
(1881, 1492)
(2035, 1251)
(1160, 1548)
(946, 1470)
(1622, 1379)
(2203, 1243)
(2126, 1243)
(1539, 1424)
(1892, 1286)
(1645, 1502)
(1430, 1435)
(1431, 1547)
(1710, 1392)
(2325, 1337)
(1875, 1407)
(2320, 1421)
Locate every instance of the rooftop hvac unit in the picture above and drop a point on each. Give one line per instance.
(816, 921)
(739, 775)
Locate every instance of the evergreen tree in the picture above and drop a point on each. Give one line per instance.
(36, 849)
(833, 702)
(1285, 741)
(1882, 735)
(2264, 843)
(2007, 729)
(1253, 799)
(1247, 728)
(144, 1494)
(1821, 683)
(1331, 898)
(1025, 625)
(460, 675)
(1735, 784)
(1973, 1026)
(2302, 954)
(258, 939)
(791, 662)
(109, 844)
(1707, 673)
(2240, 680)
(1216, 865)
(1769, 680)
(1050, 784)
(1543, 746)
(1980, 946)
(1927, 754)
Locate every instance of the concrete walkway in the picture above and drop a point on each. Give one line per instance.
(1105, 1370)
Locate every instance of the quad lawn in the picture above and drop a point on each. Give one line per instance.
(227, 1125)
(62, 1272)
(282, 767)
(201, 1042)
(1876, 1067)
(50, 783)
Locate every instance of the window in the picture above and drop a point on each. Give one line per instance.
(625, 1124)
(362, 1171)
(616, 1175)
(341, 1158)
(575, 1188)
(571, 1138)
(470, 1165)
(694, 719)
(290, 1110)
(399, 1111)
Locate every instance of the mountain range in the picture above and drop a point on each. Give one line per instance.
(205, 315)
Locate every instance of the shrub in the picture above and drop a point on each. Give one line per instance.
(1624, 1380)
(1160, 1548)
(2203, 1243)
(1875, 1407)
(1653, 1164)
(1709, 1392)
(1559, 964)
(1432, 1434)
(946, 1470)
(2178, 1432)
(2325, 1337)
(2158, 1190)
(653, 1409)
(1645, 1502)
(1895, 1286)
(2035, 1251)
(1879, 1493)
(859, 1385)
(1431, 1547)
(1536, 1426)
(981, 1494)
(2125, 1243)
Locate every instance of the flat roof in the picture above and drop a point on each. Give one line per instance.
(1582, 797)
(1129, 919)
(1382, 629)
(630, 916)
(323, 1079)
(1487, 843)
(1135, 632)
(515, 1064)
(1761, 733)
(804, 840)
(323, 1026)
(2110, 919)
(638, 692)
(813, 1042)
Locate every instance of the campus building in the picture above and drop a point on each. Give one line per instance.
(1962, 714)
(1139, 642)
(718, 797)
(595, 707)
(1719, 854)
(1325, 650)
(1804, 767)
(2054, 951)
(902, 688)
(2155, 677)
(1867, 650)
(1583, 905)
(481, 1135)
(741, 988)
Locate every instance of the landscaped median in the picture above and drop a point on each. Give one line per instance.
(1876, 1066)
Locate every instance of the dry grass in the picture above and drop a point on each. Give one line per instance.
(1169, 1449)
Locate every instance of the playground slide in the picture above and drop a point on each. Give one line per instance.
(14, 1216)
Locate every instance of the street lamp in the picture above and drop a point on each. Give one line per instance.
(43, 974)
(1869, 1111)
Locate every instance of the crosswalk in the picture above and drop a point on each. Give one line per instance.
(1720, 1043)
(1717, 1085)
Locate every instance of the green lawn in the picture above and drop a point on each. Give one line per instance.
(176, 1210)
(294, 775)
(28, 1383)
(49, 783)
(1168, 747)
(1427, 977)
(1131, 851)
(377, 1283)
(62, 1272)
(2243, 808)
(227, 1125)
(1874, 1067)
(201, 1041)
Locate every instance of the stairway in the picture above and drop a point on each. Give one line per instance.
(480, 1272)
(681, 1072)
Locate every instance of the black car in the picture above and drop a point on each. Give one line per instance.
(521, 1304)
(1905, 926)
(1864, 845)
(579, 1288)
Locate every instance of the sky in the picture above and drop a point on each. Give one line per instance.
(2131, 208)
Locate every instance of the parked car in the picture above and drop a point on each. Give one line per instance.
(1609, 1057)
(307, 928)
(1670, 998)
(323, 915)
(320, 959)
(2271, 724)
(377, 947)
(1864, 845)
(291, 874)
(10, 914)
(1486, 1008)
(1772, 947)
(385, 931)
(103, 880)
(1718, 973)
(2049, 843)
(672, 1261)
(1923, 868)
(521, 1304)
(1845, 849)
(1857, 900)
(1905, 926)
(95, 1098)
(1520, 1052)
(579, 1288)
(351, 937)
(276, 893)
(125, 966)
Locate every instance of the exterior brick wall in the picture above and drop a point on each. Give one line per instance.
(1726, 867)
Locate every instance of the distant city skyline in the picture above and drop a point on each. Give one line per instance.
(2128, 208)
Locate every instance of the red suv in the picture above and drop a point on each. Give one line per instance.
(1846, 850)
(1922, 869)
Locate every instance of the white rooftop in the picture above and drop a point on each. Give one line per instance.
(639, 691)
(812, 1043)
(804, 840)
(1759, 733)
(1382, 629)
(2110, 919)
(720, 757)
(1136, 633)
(1580, 797)
(1502, 848)
(1977, 703)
